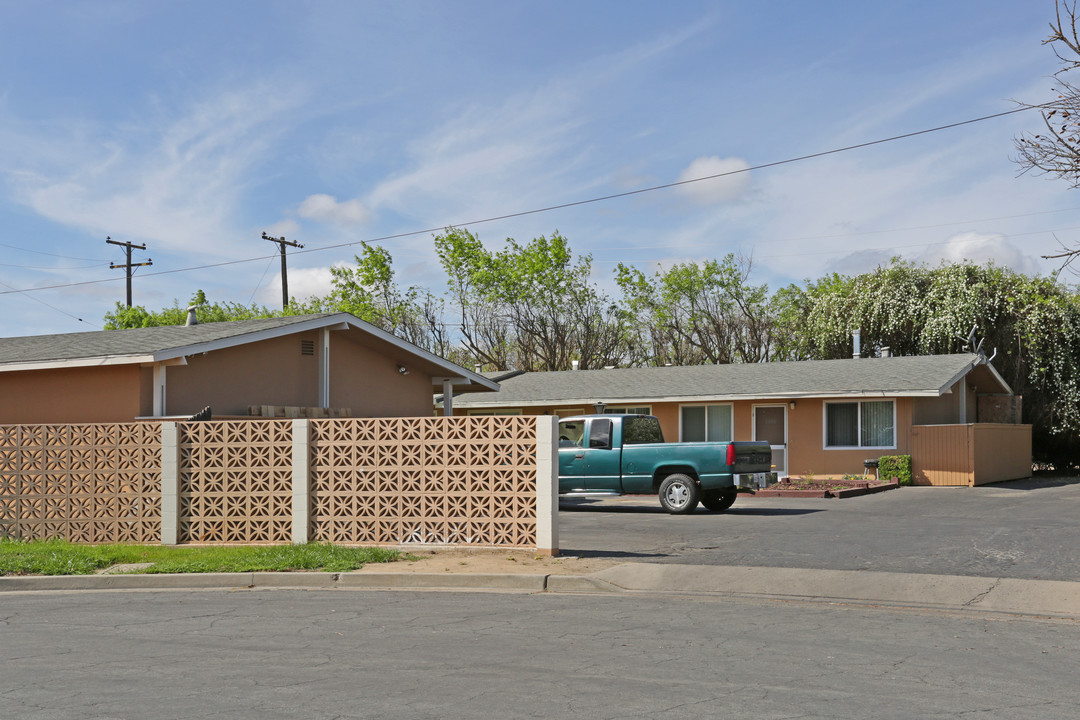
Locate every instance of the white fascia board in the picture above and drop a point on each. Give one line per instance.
(251, 337)
(338, 321)
(452, 369)
(479, 404)
(947, 387)
(80, 362)
(999, 378)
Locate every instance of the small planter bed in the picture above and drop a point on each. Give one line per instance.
(825, 488)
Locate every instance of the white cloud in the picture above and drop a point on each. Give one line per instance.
(717, 190)
(304, 283)
(287, 228)
(980, 249)
(174, 184)
(326, 208)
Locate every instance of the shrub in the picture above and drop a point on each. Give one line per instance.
(895, 466)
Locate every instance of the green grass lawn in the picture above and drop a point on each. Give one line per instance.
(59, 557)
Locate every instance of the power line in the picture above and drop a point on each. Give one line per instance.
(41, 252)
(862, 233)
(50, 267)
(562, 206)
(39, 300)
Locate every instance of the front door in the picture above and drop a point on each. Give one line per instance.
(770, 425)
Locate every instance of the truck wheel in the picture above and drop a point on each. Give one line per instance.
(679, 494)
(719, 500)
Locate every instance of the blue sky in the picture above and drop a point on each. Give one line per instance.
(193, 127)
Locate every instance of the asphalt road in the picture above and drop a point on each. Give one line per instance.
(1025, 529)
(364, 654)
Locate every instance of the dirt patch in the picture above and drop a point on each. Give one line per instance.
(481, 560)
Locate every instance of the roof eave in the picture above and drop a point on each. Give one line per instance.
(644, 400)
(100, 361)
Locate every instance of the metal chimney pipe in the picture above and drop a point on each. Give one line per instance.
(857, 350)
(192, 316)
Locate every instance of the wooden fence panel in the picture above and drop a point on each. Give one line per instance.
(941, 455)
(1001, 452)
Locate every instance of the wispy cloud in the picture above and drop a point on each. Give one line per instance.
(326, 208)
(735, 182)
(174, 182)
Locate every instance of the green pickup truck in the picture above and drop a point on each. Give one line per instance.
(627, 455)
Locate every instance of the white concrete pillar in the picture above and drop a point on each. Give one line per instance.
(301, 481)
(324, 368)
(447, 397)
(159, 390)
(170, 483)
(547, 485)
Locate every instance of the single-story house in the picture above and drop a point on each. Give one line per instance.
(328, 361)
(823, 418)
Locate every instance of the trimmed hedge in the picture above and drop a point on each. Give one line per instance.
(895, 466)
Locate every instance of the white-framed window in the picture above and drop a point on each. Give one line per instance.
(500, 411)
(629, 410)
(705, 423)
(860, 424)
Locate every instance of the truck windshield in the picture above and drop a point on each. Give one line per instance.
(641, 430)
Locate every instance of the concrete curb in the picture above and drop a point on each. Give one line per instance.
(300, 580)
(952, 592)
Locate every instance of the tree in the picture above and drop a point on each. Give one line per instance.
(530, 306)
(1032, 323)
(368, 291)
(122, 317)
(700, 313)
(1056, 149)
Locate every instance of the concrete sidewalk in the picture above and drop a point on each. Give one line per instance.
(1049, 598)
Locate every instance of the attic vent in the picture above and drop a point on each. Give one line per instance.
(307, 347)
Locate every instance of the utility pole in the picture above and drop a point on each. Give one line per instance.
(128, 265)
(282, 242)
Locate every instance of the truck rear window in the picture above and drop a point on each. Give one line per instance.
(641, 430)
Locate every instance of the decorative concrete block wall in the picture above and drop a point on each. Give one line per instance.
(476, 481)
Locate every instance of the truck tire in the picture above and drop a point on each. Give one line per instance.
(679, 494)
(719, 500)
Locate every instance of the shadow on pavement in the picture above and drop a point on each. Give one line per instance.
(577, 506)
(636, 509)
(1038, 482)
(770, 511)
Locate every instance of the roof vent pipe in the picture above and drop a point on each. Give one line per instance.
(192, 316)
(857, 351)
(574, 364)
(886, 351)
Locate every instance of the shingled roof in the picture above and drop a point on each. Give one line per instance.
(912, 376)
(158, 344)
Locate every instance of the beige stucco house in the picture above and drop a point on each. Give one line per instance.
(331, 361)
(954, 414)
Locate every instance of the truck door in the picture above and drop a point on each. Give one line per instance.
(602, 467)
(572, 456)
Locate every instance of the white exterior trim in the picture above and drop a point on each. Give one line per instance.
(729, 405)
(825, 430)
(337, 321)
(708, 399)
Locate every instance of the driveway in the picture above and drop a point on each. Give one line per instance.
(1025, 529)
